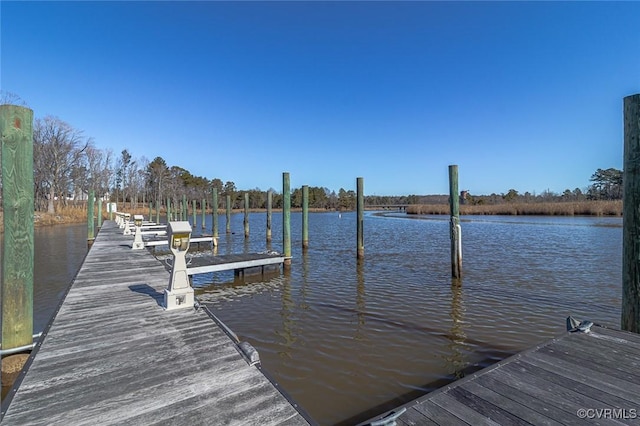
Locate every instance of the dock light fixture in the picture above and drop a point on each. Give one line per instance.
(179, 295)
(138, 244)
(127, 224)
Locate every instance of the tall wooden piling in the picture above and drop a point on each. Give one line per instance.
(631, 216)
(194, 212)
(305, 217)
(228, 205)
(157, 211)
(246, 215)
(360, 214)
(269, 213)
(455, 230)
(99, 213)
(91, 235)
(204, 212)
(214, 212)
(168, 211)
(16, 137)
(185, 209)
(150, 212)
(286, 218)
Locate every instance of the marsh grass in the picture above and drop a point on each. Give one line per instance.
(579, 208)
(78, 214)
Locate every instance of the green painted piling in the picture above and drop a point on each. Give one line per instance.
(91, 235)
(157, 211)
(246, 215)
(305, 217)
(455, 230)
(204, 212)
(99, 213)
(195, 213)
(286, 218)
(214, 212)
(168, 211)
(110, 208)
(630, 318)
(228, 205)
(360, 214)
(16, 136)
(269, 213)
(185, 209)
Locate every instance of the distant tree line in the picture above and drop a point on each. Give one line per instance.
(67, 165)
(606, 185)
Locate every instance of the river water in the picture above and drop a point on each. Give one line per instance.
(347, 339)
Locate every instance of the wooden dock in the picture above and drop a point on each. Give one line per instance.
(578, 378)
(113, 355)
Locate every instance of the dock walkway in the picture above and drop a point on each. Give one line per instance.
(578, 378)
(113, 355)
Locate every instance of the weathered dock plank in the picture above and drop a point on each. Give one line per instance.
(574, 379)
(113, 355)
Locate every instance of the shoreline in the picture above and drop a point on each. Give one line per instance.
(75, 215)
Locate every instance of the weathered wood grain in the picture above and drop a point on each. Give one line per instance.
(630, 315)
(16, 144)
(545, 385)
(113, 355)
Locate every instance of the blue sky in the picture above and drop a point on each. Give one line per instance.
(518, 95)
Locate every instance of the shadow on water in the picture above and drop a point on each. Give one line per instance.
(456, 361)
(490, 357)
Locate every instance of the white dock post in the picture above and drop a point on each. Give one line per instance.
(138, 244)
(179, 294)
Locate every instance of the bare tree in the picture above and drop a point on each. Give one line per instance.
(58, 148)
(100, 170)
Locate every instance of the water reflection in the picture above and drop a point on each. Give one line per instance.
(361, 307)
(286, 314)
(456, 360)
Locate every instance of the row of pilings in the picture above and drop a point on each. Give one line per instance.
(16, 130)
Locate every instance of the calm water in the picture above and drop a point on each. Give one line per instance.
(349, 339)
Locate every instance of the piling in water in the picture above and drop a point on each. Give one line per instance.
(91, 236)
(630, 319)
(305, 217)
(99, 213)
(16, 138)
(204, 212)
(228, 203)
(455, 230)
(286, 218)
(214, 212)
(269, 213)
(246, 215)
(360, 214)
